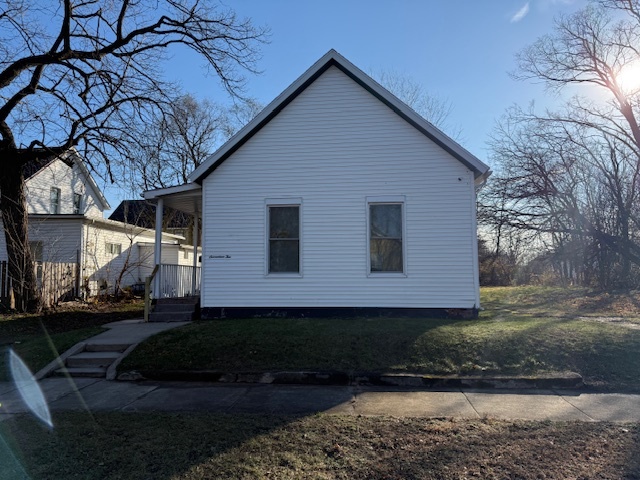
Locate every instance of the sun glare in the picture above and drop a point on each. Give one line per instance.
(629, 77)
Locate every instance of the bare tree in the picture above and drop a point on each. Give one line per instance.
(432, 108)
(573, 175)
(168, 148)
(80, 73)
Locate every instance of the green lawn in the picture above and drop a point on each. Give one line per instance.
(192, 446)
(524, 330)
(39, 339)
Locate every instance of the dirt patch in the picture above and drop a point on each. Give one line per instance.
(195, 446)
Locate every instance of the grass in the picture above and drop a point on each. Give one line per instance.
(523, 331)
(40, 338)
(195, 446)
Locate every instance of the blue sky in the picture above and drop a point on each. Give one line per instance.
(459, 50)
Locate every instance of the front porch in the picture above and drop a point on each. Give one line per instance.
(171, 280)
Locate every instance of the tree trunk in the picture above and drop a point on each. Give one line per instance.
(15, 222)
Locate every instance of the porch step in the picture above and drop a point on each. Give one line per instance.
(106, 347)
(171, 316)
(92, 359)
(174, 307)
(178, 301)
(182, 309)
(90, 372)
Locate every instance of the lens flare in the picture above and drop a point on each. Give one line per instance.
(29, 389)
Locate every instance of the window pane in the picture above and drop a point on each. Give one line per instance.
(77, 202)
(54, 198)
(386, 255)
(36, 251)
(386, 221)
(284, 222)
(284, 256)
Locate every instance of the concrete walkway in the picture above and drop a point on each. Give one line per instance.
(68, 394)
(99, 356)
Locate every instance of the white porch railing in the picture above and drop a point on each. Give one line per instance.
(178, 281)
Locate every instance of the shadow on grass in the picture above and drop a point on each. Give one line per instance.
(18, 328)
(195, 446)
(520, 345)
(262, 345)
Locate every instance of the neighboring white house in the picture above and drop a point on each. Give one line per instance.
(336, 199)
(66, 225)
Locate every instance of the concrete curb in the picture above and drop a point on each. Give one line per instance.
(568, 380)
(111, 370)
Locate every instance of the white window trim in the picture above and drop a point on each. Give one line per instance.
(387, 199)
(283, 202)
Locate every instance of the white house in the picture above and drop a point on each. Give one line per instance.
(67, 225)
(336, 199)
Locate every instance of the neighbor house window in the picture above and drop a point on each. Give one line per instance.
(77, 203)
(385, 238)
(113, 248)
(284, 238)
(54, 200)
(36, 250)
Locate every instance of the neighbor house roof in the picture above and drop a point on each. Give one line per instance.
(143, 214)
(332, 58)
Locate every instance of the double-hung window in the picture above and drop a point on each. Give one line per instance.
(283, 238)
(113, 248)
(386, 243)
(54, 200)
(77, 203)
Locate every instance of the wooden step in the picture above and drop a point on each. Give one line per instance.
(175, 307)
(179, 300)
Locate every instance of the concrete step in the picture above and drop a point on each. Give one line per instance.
(170, 317)
(106, 347)
(92, 359)
(90, 372)
(175, 307)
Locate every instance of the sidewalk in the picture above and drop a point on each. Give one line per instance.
(65, 394)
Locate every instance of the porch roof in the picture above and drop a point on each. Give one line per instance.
(186, 198)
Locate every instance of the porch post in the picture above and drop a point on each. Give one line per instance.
(195, 254)
(157, 248)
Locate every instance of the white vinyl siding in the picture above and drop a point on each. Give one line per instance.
(61, 239)
(334, 146)
(70, 181)
(102, 263)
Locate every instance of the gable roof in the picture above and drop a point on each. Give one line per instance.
(70, 157)
(332, 58)
(143, 214)
(37, 164)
